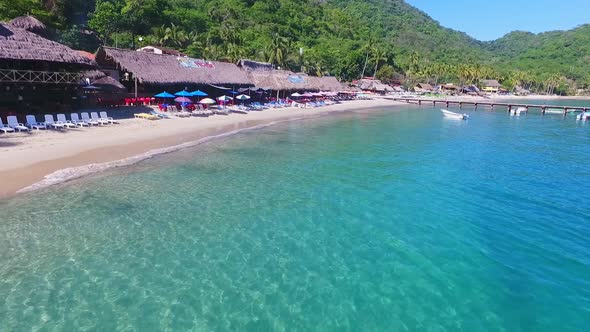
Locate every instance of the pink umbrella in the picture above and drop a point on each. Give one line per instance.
(182, 100)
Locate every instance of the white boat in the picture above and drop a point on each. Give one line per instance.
(453, 115)
(519, 111)
(584, 116)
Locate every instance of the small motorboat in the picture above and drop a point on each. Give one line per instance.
(453, 115)
(519, 111)
(584, 116)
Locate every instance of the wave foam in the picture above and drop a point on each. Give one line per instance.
(73, 173)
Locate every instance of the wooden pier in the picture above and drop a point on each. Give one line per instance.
(492, 105)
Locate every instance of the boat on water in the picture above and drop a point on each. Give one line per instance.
(519, 111)
(584, 116)
(453, 115)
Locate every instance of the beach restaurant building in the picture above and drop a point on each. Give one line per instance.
(283, 82)
(37, 74)
(146, 73)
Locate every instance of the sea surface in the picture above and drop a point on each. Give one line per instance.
(375, 220)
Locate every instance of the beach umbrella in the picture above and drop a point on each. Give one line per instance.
(183, 93)
(242, 97)
(307, 95)
(182, 100)
(225, 98)
(296, 94)
(207, 101)
(199, 93)
(164, 95)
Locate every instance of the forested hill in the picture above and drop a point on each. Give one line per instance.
(563, 52)
(340, 37)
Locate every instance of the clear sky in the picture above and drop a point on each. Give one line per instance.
(489, 20)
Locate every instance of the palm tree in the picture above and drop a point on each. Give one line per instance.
(367, 48)
(277, 50)
(414, 63)
(378, 56)
(159, 35)
(175, 36)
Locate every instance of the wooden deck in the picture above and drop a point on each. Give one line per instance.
(491, 104)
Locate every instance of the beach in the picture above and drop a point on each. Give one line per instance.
(28, 158)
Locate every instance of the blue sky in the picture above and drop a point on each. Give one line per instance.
(488, 20)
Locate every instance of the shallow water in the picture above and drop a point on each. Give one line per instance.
(379, 220)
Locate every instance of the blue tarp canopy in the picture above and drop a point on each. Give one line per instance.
(199, 93)
(164, 95)
(183, 93)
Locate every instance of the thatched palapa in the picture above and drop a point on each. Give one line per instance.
(20, 44)
(30, 24)
(161, 69)
(264, 76)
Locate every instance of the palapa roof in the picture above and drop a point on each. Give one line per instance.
(20, 44)
(161, 69)
(374, 85)
(327, 83)
(29, 23)
(491, 83)
(425, 86)
(107, 83)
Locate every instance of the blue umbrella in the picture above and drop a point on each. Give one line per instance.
(183, 93)
(164, 95)
(199, 93)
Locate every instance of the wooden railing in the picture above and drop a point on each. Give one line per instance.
(31, 76)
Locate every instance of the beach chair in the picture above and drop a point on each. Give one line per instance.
(86, 118)
(51, 123)
(104, 116)
(76, 120)
(62, 118)
(5, 129)
(97, 118)
(14, 124)
(33, 124)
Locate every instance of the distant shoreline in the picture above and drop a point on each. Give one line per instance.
(45, 158)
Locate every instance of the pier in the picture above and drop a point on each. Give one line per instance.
(491, 104)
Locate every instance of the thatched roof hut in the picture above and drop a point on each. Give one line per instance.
(264, 76)
(20, 44)
(374, 85)
(161, 69)
(328, 83)
(491, 83)
(30, 24)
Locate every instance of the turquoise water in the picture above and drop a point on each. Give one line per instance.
(370, 221)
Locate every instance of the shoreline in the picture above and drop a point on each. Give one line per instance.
(45, 158)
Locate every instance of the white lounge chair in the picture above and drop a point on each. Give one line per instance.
(62, 118)
(76, 120)
(4, 128)
(51, 123)
(96, 118)
(104, 116)
(33, 124)
(86, 118)
(14, 124)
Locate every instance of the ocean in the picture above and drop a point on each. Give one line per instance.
(379, 220)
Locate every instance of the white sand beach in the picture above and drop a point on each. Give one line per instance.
(27, 158)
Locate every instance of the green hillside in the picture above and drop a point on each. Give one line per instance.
(562, 52)
(345, 38)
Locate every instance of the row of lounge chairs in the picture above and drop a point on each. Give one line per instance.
(82, 120)
(243, 109)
